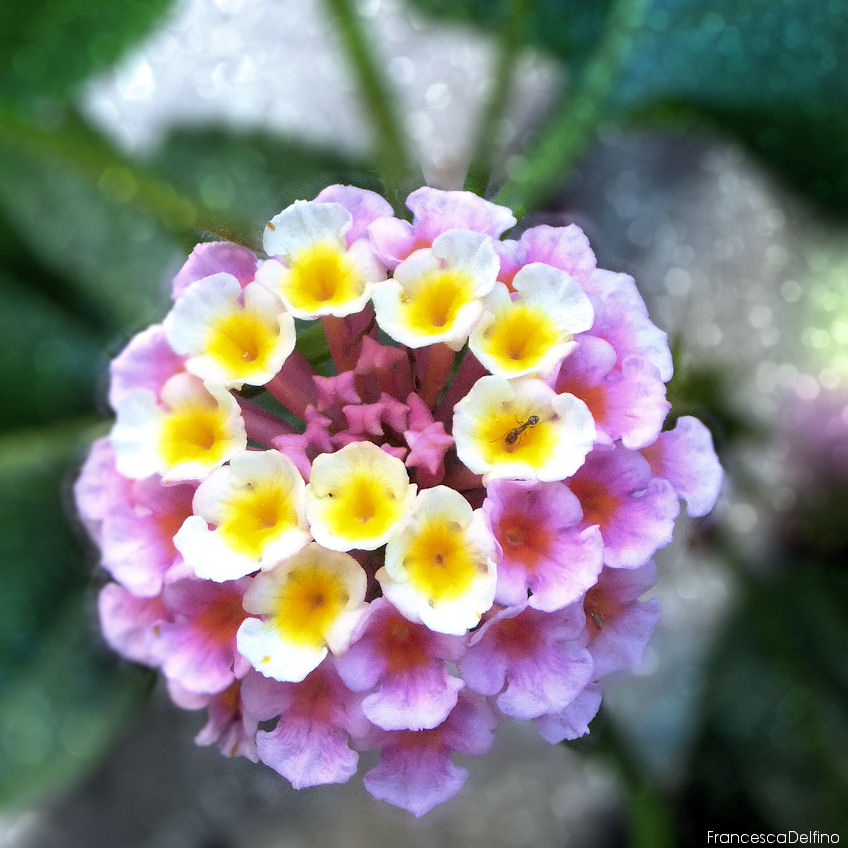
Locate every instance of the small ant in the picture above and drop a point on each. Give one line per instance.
(513, 435)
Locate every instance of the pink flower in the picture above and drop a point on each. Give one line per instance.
(634, 510)
(573, 721)
(138, 534)
(147, 362)
(129, 624)
(197, 647)
(416, 770)
(435, 212)
(566, 248)
(364, 206)
(626, 399)
(544, 549)
(317, 718)
(214, 257)
(405, 662)
(686, 458)
(617, 623)
(621, 319)
(99, 487)
(535, 662)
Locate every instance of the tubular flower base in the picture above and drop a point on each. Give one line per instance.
(447, 521)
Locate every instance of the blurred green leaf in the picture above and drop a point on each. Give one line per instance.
(773, 749)
(249, 177)
(114, 256)
(62, 699)
(48, 360)
(49, 47)
(63, 709)
(42, 562)
(771, 74)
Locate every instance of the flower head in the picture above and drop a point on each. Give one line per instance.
(437, 510)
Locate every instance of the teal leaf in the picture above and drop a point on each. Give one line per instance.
(770, 74)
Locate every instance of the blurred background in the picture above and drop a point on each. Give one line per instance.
(702, 145)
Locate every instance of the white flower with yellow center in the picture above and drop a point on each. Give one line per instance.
(310, 604)
(440, 564)
(533, 332)
(257, 507)
(356, 497)
(315, 272)
(196, 428)
(231, 336)
(436, 293)
(521, 430)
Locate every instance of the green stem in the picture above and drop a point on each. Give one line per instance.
(486, 140)
(378, 99)
(80, 148)
(571, 129)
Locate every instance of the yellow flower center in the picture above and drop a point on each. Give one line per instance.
(433, 303)
(309, 604)
(321, 277)
(515, 433)
(242, 342)
(363, 508)
(520, 336)
(255, 515)
(439, 563)
(194, 434)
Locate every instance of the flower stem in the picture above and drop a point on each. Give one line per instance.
(340, 343)
(437, 369)
(293, 387)
(391, 143)
(571, 129)
(261, 425)
(498, 99)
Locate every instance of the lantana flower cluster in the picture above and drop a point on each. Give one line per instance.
(450, 524)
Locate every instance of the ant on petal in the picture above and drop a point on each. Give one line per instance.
(513, 435)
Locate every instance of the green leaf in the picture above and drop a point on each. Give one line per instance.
(770, 74)
(49, 47)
